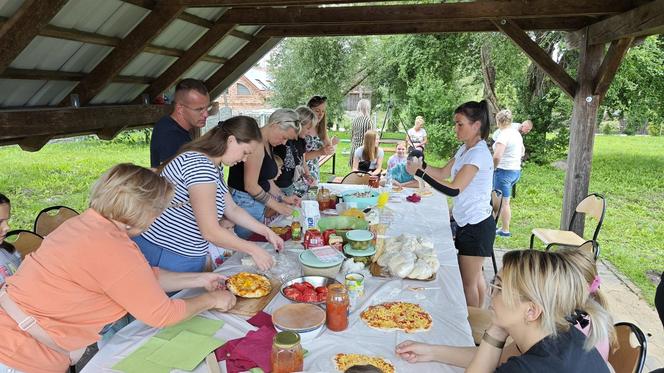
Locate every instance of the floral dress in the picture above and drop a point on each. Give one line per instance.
(313, 143)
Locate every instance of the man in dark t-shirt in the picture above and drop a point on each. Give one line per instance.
(191, 106)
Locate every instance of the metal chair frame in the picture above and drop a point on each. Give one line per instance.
(46, 211)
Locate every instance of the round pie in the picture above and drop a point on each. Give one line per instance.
(249, 285)
(408, 317)
(345, 361)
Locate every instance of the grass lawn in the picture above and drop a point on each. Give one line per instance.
(627, 170)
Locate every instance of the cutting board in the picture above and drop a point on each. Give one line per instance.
(251, 306)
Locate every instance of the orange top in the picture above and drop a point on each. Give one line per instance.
(86, 274)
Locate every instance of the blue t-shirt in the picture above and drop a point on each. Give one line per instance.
(176, 229)
(167, 138)
(400, 174)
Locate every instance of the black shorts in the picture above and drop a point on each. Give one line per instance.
(476, 239)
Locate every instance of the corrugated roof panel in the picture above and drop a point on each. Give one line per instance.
(9, 7)
(46, 53)
(228, 47)
(211, 14)
(123, 20)
(179, 34)
(51, 93)
(202, 70)
(148, 64)
(85, 15)
(118, 93)
(249, 29)
(17, 92)
(86, 58)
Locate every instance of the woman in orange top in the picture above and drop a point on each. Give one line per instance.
(89, 273)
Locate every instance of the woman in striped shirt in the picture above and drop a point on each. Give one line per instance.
(360, 126)
(178, 239)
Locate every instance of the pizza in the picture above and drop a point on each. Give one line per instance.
(249, 285)
(408, 317)
(345, 361)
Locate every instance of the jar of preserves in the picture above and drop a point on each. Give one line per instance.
(296, 231)
(323, 199)
(374, 181)
(287, 354)
(336, 307)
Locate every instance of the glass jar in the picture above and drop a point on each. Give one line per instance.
(323, 199)
(287, 354)
(336, 307)
(296, 231)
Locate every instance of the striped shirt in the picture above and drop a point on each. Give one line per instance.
(358, 128)
(176, 229)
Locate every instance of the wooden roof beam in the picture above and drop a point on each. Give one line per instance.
(460, 11)
(194, 54)
(566, 24)
(131, 46)
(239, 63)
(538, 56)
(261, 3)
(17, 32)
(30, 74)
(648, 19)
(610, 64)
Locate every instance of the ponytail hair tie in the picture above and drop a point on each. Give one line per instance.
(594, 286)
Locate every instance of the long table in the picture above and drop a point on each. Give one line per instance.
(447, 305)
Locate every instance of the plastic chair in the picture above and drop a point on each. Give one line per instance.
(593, 205)
(497, 205)
(24, 241)
(356, 178)
(51, 217)
(630, 356)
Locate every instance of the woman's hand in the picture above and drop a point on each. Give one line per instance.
(415, 352)
(283, 209)
(212, 281)
(328, 149)
(263, 260)
(274, 239)
(413, 164)
(224, 300)
(292, 200)
(497, 332)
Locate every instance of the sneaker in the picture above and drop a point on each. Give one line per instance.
(503, 234)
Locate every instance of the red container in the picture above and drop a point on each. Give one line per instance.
(313, 238)
(327, 234)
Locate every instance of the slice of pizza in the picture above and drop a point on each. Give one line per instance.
(345, 361)
(249, 285)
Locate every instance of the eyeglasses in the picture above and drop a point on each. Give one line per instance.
(210, 109)
(494, 288)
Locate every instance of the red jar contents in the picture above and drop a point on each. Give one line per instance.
(374, 181)
(287, 354)
(336, 308)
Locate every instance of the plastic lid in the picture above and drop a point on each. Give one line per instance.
(359, 235)
(359, 253)
(286, 339)
(310, 259)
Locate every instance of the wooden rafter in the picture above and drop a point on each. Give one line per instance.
(538, 56)
(239, 63)
(130, 47)
(610, 64)
(263, 3)
(648, 19)
(19, 126)
(459, 11)
(189, 59)
(561, 24)
(23, 26)
(30, 74)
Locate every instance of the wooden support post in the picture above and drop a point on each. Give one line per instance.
(23, 26)
(610, 65)
(538, 56)
(582, 133)
(123, 54)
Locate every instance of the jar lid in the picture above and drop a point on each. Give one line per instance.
(286, 339)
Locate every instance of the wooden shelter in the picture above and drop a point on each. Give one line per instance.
(70, 67)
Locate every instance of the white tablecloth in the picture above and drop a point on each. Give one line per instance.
(447, 305)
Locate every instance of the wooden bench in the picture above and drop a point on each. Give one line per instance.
(325, 158)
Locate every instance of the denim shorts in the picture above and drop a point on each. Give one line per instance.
(503, 180)
(161, 257)
(253, 207)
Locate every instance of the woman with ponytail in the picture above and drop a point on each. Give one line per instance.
(178, 240)
(541, 300)
(471, 173)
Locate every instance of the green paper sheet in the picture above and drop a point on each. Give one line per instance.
(197, 324)
(137, 361)
(185, 351)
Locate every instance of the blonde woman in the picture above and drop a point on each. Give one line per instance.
(417, 136)
(88, 273)
(508, 150)
(360, 125)
(251, 180)
(295, 178)
(369, 157)
(537, 298)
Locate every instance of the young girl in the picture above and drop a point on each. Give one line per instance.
(471, 172)
(396, 168)
(8, 262)
(369, 157)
